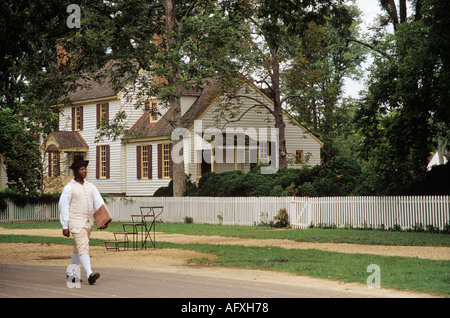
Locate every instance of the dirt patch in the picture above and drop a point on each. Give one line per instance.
(175, 260)
(55, 254)
(59, 255)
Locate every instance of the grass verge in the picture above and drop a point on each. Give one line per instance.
(370, 237)
(401, 273)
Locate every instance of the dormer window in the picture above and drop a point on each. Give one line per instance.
(151, 106)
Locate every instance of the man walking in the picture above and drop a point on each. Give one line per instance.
(77, 204)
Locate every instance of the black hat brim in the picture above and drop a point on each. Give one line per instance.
(78, 164)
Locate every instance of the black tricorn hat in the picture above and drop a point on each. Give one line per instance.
(78, 164)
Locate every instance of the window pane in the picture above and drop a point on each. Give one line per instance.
(102, 162)
(166, 160)
(144, 162)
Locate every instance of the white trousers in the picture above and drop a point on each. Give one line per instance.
(81, 240)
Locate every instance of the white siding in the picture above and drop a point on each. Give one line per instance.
(142, 187)
(297, 138)
(115, 183)
(132, 104)
(123, 178)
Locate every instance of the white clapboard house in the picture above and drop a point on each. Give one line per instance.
(140, 164)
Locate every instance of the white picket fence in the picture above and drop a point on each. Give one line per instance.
(206, 210)
(357, 212)
(372, 212)
(29, 212)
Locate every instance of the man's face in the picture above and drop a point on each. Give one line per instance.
(81, 173)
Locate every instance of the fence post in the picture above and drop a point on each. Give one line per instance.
(11, 208)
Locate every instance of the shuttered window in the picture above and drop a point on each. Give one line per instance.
(165, 165)
(77, 118)
(102, 113)
(166, 161)
(263, 153)
(144, 161)
(103, 162)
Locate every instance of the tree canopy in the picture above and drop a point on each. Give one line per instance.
(298, 51)
(406, 105)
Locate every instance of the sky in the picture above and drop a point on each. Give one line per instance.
(370, 9)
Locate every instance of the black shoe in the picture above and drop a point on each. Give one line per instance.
(93, 278)
(74, 278)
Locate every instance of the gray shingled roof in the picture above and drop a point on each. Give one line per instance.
(69, 139)
(91, 89)
(98, 85)
(144, 129)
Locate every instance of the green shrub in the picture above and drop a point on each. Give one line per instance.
(282, 218)
(165, 191)
(22, 199)
(306, 190)
(231, 184)
(277, 191)
(338, 177)
(191, 189)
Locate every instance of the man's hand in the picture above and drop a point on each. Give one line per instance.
(66, 232)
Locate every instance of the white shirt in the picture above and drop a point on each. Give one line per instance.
(66, 197)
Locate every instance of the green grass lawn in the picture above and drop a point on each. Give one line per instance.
(402, 273)
(370, 237)
(312, 234)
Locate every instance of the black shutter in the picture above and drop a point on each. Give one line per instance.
(159, 161)
(138, 162)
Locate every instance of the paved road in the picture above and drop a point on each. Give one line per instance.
(44, 288)
(32, 281)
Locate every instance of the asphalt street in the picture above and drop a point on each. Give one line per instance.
(33, 289)
(32, 281)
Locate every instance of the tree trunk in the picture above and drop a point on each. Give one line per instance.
(278, 113)
(179, 181)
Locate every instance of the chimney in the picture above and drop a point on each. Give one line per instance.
(158, 42)
(63, 57)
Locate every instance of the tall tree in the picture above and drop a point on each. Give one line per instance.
(278, 27)
(405, 101)
(176, 44)
(173, 29)
(325, 57)
(29, 84)
(203, 36)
